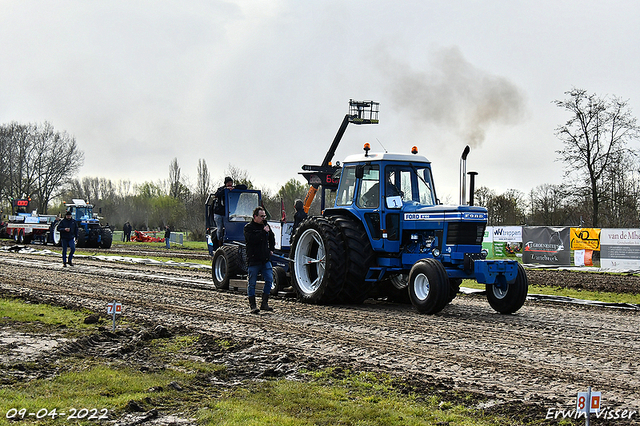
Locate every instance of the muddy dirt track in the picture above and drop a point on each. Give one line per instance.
(543, 355)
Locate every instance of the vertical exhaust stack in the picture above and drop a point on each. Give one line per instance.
(463, 176)
(472, 184)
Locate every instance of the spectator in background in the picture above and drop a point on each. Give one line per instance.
(126, 236)
(167, 236)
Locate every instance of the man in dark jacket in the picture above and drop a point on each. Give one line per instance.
(167, 236)
(260, 243)
(68, 229)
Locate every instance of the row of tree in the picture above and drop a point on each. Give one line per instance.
(35, 162)
(602, 187)
(174, 202)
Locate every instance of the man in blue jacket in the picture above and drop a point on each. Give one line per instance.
(68, 229)
(261, 243)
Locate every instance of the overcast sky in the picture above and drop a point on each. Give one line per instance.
(263, 85)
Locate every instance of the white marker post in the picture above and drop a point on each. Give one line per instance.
(588, 402)
(114, 309)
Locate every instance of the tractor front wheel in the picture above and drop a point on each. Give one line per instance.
(106, 239)
(428, 286)
(82, 238)
(508, 298)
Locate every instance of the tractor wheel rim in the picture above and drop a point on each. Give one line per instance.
(310, 261)
(421, 286)
(220, 268)
(499, 293)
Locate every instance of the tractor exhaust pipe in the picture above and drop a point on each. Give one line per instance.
(463, 176)
(472, 184)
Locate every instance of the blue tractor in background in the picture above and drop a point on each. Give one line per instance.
(91, 233)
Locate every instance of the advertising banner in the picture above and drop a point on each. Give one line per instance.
(507, 241)
(620, 249)
(546, 245)
(507, 234)
(585, 239)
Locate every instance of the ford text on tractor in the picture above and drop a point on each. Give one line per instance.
(90, 232)
(387, 233)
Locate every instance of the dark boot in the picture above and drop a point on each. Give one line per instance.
(265, 303)
(252, 305)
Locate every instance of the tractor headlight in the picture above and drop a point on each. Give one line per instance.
(435, 252)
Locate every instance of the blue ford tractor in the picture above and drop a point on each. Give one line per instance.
(387, 234)
(90, 232)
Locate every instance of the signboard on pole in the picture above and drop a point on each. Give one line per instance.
(593, 406)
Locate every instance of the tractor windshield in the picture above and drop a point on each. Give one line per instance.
(411, 183)
(83, 213)
(241, 205)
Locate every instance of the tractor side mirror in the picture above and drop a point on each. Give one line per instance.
(359, 172)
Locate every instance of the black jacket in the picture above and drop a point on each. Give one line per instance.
(260, 244)
(218, 207)
(73, 229)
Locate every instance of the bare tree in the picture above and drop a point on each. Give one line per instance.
(239, 176)
(595, 141)
(203, 187)
(174, 179)
(58, 158)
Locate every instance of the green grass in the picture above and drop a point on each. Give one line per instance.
(12, 310)
(349, 399)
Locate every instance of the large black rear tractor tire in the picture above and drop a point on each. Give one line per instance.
(360, 257)
(510, 300)
(82, 238)
(106, 239)
(226, 264)
(428, 286)
(319, 261)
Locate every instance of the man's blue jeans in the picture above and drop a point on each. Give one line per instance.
(219, 219)
(267, 275)
(71, 244)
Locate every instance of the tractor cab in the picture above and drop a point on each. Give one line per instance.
(394, 197)
(239, 205)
